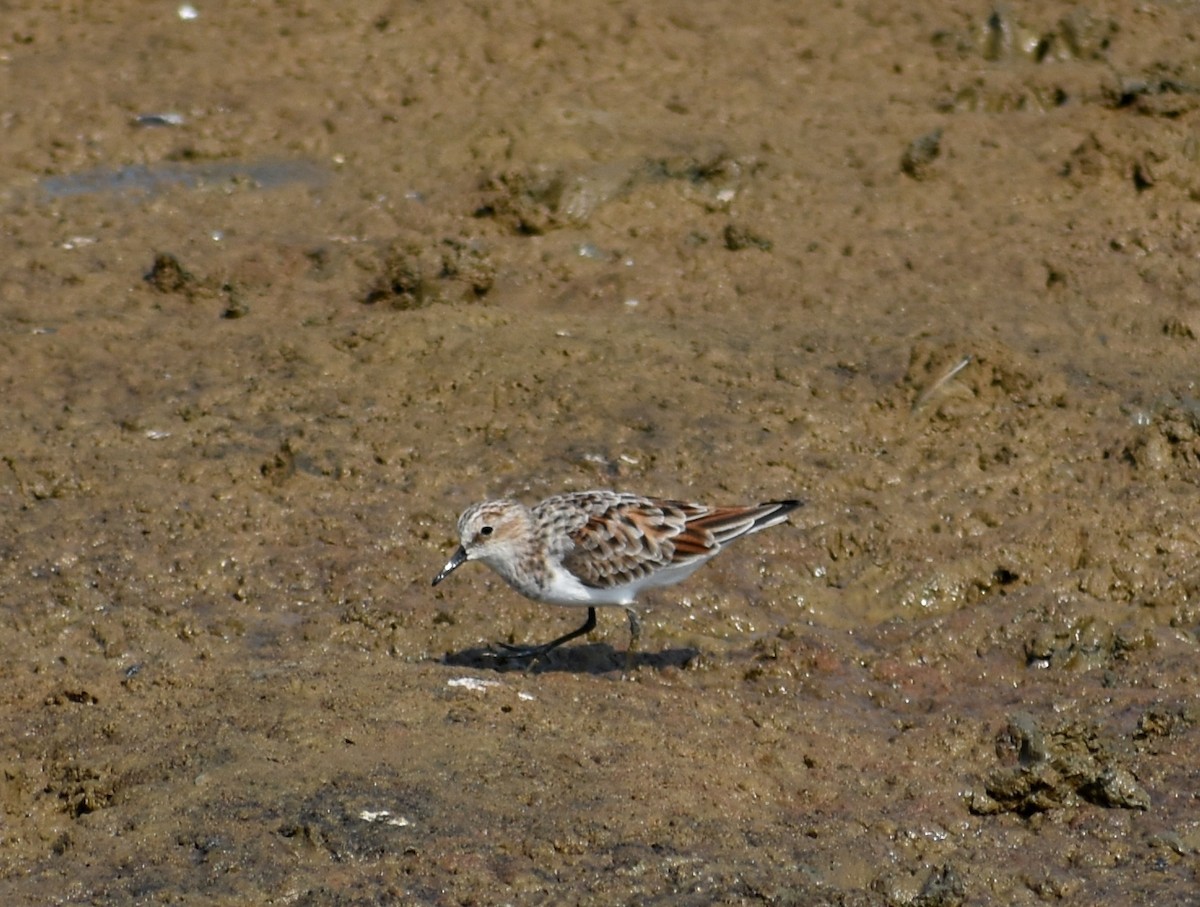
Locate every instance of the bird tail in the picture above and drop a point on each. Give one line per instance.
(729, 523)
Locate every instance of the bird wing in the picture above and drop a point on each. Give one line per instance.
(625, 538)
(624, 542)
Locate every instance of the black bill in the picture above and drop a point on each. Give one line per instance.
(460, 558)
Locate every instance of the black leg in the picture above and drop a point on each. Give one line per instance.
(635, 632)
(635, 628)
(540, 651)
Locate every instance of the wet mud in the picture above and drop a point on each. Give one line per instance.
(284, 288)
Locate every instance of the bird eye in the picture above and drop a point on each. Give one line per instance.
(486, 530)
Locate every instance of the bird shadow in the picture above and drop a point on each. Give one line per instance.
(591, 658)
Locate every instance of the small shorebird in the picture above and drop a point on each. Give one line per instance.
(591, 548)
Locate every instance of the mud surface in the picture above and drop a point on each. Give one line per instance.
(286, 286)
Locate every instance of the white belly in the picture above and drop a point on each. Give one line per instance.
(565, 589)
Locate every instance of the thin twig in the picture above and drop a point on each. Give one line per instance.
(937, 385)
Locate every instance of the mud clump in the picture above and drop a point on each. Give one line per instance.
(413, 276)
(917, 160)
(538, 199)
(167, 275)
(1167, 441)
(1056, 770)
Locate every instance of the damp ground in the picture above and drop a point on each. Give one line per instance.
(285, 288)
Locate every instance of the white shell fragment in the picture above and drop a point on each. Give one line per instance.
(385, 816)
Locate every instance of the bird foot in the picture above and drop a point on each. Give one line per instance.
(535, 652)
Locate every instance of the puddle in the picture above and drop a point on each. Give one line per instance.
(151, 179)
